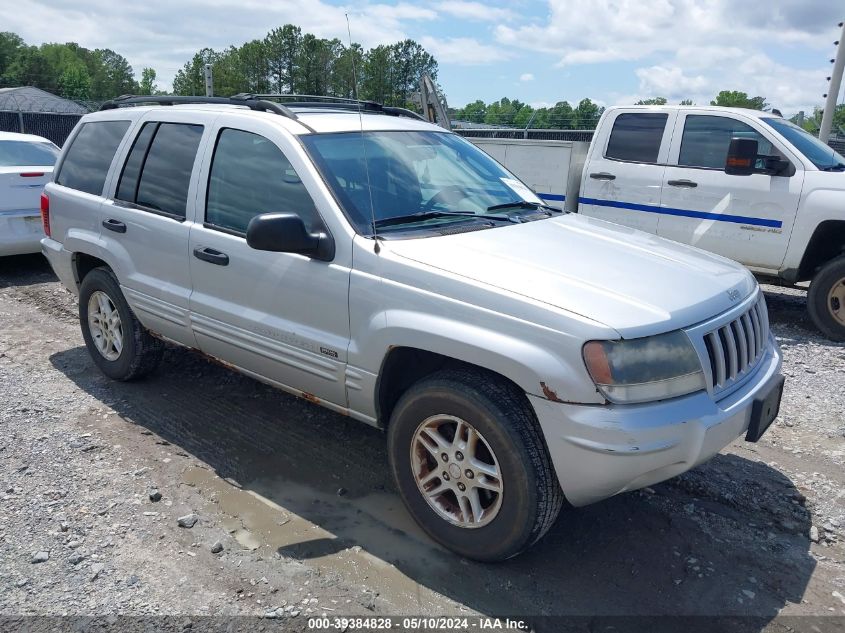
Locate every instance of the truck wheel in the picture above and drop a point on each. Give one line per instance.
(826, 299)
(118, 343)
(471, 465)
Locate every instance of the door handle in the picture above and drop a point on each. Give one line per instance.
(682, 183)
(114, 225)
(211, 256)
(602, 175)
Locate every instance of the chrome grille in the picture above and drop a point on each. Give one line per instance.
(735, 348)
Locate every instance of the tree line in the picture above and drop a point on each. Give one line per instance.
(287, 60)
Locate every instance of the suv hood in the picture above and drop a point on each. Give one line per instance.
(634, 282)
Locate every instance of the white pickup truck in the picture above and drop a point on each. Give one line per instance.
(745, 184)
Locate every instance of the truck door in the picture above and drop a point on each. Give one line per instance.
(623, 175)
(746, 218)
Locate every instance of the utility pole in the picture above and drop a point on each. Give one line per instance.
(209, 81)
(833, 89)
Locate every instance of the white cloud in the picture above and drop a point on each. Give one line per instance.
(526, 77)
(463, 51)
(690, 48)
(474, 11)
(139, 32)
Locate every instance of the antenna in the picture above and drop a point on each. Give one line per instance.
(376, 246)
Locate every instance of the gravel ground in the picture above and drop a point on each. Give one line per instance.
(289, 511)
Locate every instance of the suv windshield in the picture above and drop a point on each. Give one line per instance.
(415, 180)
(821, 155)
(26, 153)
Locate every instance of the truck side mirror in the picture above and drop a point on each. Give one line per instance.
(286, 233)
(742, 156)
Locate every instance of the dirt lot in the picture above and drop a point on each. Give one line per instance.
(300, 501)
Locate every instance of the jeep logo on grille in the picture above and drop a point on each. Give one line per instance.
(734, 294)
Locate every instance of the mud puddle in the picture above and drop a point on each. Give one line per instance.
(330, 533)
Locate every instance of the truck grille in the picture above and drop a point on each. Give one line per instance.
(735, 348)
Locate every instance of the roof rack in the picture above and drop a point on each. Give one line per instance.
(337, 103)
(249, 101)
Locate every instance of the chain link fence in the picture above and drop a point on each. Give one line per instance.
(45, 117)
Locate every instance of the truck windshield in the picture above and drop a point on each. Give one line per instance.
(414, 180)
(821, 155)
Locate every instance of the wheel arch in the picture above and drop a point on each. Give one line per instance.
(826, 243)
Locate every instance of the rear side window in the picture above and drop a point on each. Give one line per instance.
(21, 153)
(87, 161)
(250, 176)
(706, 140)
(157, 173)
(636, 137)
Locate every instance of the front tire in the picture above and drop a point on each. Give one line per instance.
(119, 345)
(469, 460)
(826, 299)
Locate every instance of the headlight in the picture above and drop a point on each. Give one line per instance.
(645, 369)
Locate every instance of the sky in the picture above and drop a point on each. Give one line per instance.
(613, 51)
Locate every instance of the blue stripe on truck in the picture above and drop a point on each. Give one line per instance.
(684, 213)
(552, 196)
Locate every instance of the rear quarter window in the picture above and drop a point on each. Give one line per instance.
(87, 162)
(636, 137)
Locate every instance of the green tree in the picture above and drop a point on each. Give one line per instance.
(75, 83)
(587, 115)
(283, 49)
(652, 101)
(686, 102)
(377, 76)
(10, 46)
(147, 86)
(111, 75)
(190, 79)
(561, 116)
(737, 99)
(409, 62)
(473, 112)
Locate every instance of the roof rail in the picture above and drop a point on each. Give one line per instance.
(340, 103)
(249, 101)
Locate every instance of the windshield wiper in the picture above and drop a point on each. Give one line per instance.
(524, 204)
(428, 215)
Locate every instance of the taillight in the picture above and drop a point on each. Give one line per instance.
(45, 213)
(32, 174)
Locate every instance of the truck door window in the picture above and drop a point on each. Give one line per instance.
(157, 172)
(706, 139)
(250, 176)
(636, 137)
(89, 157)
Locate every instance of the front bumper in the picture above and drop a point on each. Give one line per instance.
(61, 261)
(601, 450)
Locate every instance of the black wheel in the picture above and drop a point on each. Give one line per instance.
(471, 465)
(826, 299)
(118, 343)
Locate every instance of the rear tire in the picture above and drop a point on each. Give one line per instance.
(507, 447)
(826, 299)
(119, 345)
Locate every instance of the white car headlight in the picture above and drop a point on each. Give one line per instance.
(645, 369)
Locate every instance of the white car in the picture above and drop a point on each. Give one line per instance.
(26, 165)
(373, 263)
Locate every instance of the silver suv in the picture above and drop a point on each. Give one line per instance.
(518, 357)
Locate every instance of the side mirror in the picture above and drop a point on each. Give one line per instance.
(286, 233)
(742, 156)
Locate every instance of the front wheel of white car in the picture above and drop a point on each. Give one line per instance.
(117, 342)
(469, 459)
